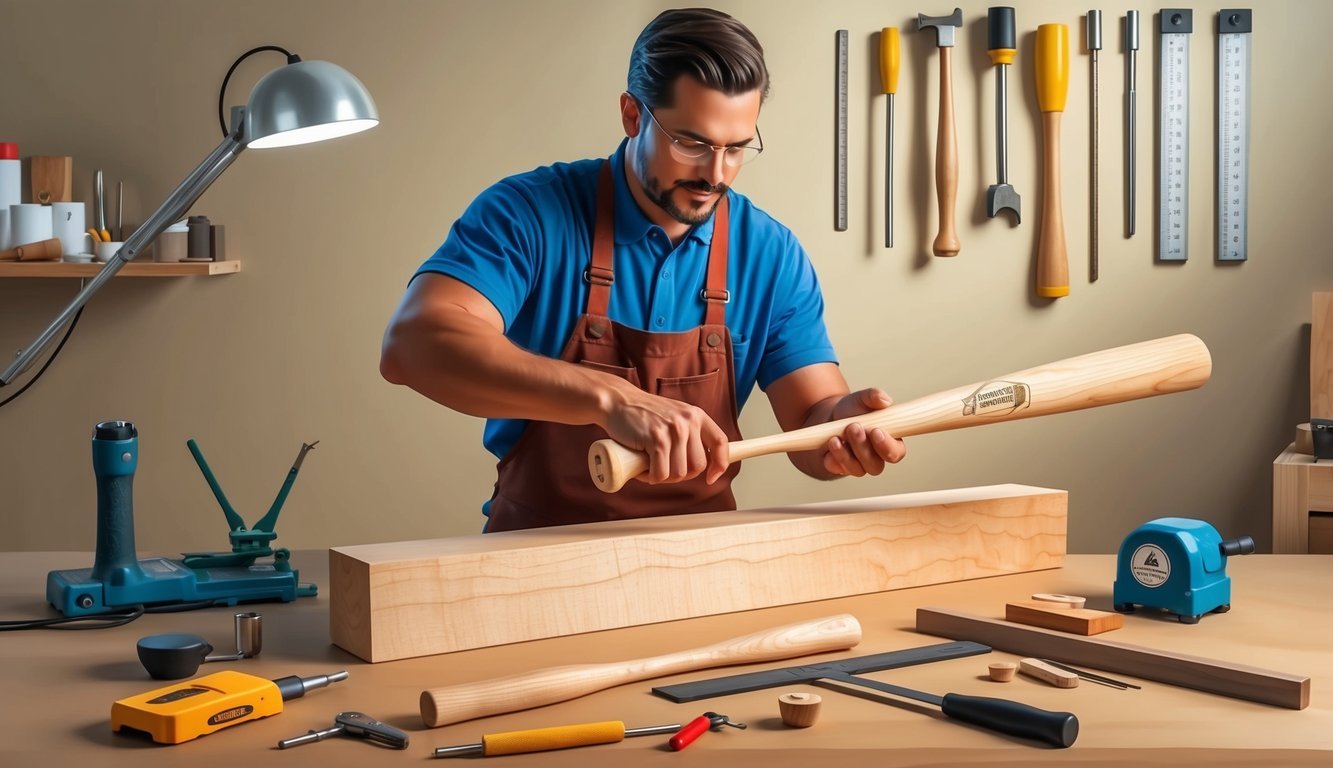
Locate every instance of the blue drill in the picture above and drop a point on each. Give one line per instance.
(115, 458)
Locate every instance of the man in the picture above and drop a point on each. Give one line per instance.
(567, 302)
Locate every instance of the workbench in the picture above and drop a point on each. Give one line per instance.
(59, 685)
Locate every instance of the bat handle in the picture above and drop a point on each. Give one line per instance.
(1058, 729)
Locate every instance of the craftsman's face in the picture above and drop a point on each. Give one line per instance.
(682, 188)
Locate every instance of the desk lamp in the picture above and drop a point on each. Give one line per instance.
(302, 102)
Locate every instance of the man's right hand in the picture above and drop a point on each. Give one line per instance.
(680, 440)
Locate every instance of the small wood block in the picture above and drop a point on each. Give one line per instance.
(1002, 671)
(1305, 439)
(1046, 673)
(50, 179)
(395, 601)
(799, 710)
(1078, 621)
(1321, 356)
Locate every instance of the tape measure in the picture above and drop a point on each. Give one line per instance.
(840, 136)
(1173, 133)
(1233, 132)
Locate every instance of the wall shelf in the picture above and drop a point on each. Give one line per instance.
(133, 269)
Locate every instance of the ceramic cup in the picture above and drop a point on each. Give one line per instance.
(69, 221)
(105, 251)
(29, 223)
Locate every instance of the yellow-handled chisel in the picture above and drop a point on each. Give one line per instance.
(558, 737)
(888, 78)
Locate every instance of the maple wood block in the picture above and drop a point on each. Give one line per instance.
(416, 598)
(1078, 621)
(1300, 486)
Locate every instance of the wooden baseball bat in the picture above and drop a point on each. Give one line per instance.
(456, 703)
(1052, 62)
(1148, 368)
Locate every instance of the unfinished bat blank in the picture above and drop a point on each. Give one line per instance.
(1157, 367)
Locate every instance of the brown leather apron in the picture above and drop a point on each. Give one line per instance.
(544, 479)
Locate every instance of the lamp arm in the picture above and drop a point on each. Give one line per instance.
(176, 204)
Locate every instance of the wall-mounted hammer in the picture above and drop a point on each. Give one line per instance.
(946, 139)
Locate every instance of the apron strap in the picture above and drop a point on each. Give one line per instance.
(715, 293)
(599, 275)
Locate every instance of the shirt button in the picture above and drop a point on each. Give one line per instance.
(666, 274)
(661, 321)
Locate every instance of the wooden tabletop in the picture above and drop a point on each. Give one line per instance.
(59, 685)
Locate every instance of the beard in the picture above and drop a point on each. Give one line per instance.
(696, 212)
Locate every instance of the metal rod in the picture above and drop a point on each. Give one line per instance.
(888, 173)
(1001, 125)
(1131, 116)
(1094, 678)
(1094, 41)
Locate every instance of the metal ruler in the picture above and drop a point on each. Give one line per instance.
(1233, 131)
(1173, 132)
(840, 136)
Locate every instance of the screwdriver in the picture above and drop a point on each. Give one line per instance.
(888, 77)
(558, 737)
(1094, 44)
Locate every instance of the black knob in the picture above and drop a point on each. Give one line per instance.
(1243, 545)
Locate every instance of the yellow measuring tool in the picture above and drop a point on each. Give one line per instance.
(194, 708)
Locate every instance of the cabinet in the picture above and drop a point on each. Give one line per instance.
(1302, 504)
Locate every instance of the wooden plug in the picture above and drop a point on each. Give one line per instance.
(1047, 673)
(42, 250)
(1077, 621)
(1063, 601)
(1002, 671)
(799, 710)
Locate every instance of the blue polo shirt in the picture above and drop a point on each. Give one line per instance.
(524, 243)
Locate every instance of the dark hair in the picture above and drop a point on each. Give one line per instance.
(709, 45)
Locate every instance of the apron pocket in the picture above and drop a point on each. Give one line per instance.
(628, 374)
(701, 390)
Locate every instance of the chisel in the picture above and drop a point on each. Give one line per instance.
(558, 737)
(1002, 45)
(888, 78)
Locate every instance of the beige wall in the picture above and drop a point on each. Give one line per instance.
(286, 351)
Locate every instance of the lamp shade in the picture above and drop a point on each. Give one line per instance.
(304, 102)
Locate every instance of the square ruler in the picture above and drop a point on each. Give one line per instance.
(1233, 132)
(1174, 26)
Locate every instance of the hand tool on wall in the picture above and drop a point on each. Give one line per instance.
(1149, 368)
(456, 703)
(194, 708)
(708, 721)
(355, 724)
(546, 739)
(1002, 45)
(840, 132)
(1094, 44)
(1056, 728)
(946, 138)
(1234, 26)
(1052, 91)
(888, 79)
(102, 232)
(1195, 672)
(1131, 115)
(1173, 133)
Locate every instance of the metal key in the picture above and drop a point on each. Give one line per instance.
(355, 724)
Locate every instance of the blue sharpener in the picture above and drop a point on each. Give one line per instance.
(1177, 565)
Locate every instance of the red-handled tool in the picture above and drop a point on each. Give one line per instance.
(698, 727)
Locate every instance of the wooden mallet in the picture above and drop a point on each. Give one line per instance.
(1148, 368)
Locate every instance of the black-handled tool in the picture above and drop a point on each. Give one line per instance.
(1058, 729)
(354, 724)
(1002, 45)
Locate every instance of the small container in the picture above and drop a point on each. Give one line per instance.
(173, 243)
(106, 251)
(199, 247)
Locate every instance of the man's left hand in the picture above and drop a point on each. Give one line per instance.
(857, 452)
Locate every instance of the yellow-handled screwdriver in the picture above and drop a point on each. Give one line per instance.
(558, 737)
(888, 78)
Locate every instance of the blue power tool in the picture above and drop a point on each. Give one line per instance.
(118, 579)
(1178, 565)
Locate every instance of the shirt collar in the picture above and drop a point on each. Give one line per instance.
(631, 223)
